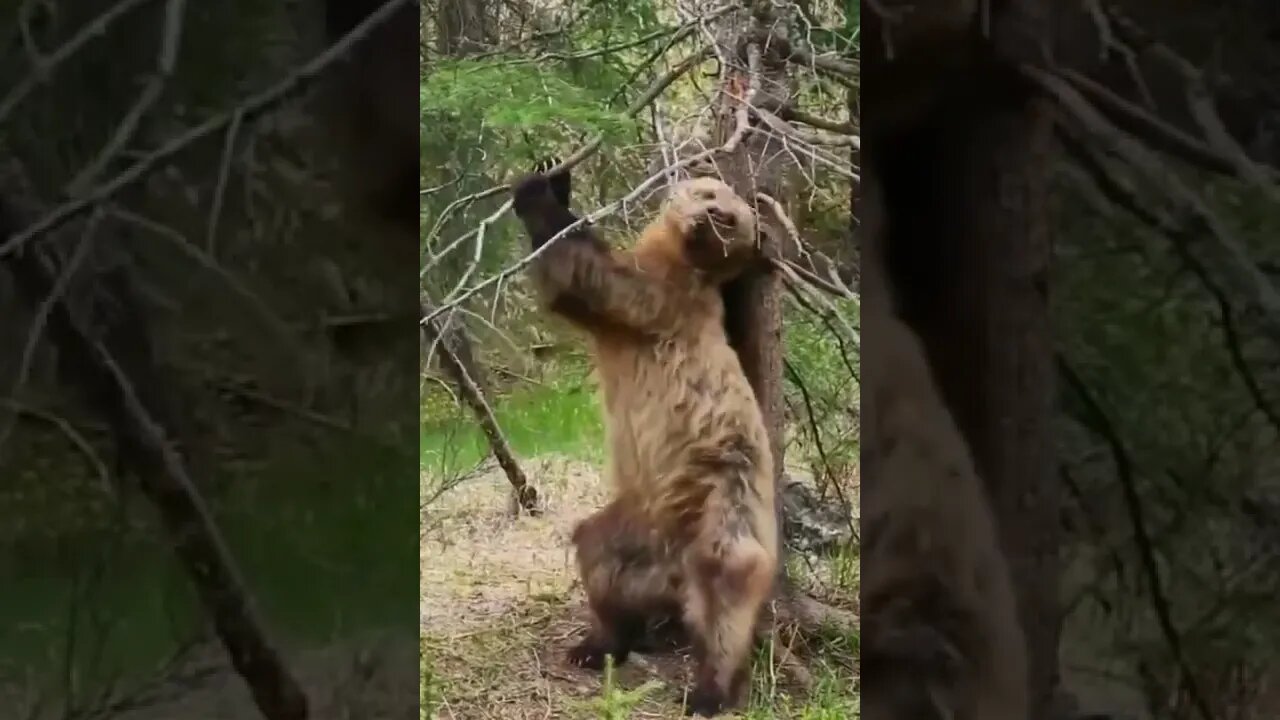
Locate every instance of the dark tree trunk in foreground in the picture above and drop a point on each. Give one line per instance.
(968, 253)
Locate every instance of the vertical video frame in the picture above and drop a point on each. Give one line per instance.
(640, 382)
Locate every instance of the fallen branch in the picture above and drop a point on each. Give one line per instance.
(525, 495)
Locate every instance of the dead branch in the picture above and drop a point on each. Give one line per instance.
(1151, 129)
(814, 616)
(73, 436)
(816, 435)
(845, 73)
(1114, 190)
(792, 114)
(1126, 36)
(591, 217)
(525, 494)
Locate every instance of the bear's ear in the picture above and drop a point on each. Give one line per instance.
(560, 182)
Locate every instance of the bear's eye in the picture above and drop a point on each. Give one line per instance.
(705, 195)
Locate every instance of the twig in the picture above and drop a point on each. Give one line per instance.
(1101, 425)
(220, 190)
(572, 227)
(832, 480)
(787, 266)
(174, 15)
(273, 321)
(73, 436)
(284, 406)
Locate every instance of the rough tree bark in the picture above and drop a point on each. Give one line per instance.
(754, 55)
(960, 147)
(753, 302)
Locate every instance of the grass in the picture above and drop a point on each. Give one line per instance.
(513, 670)
(561, 418)
(322, 546)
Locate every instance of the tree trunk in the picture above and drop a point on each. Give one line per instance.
(753, 302)
(967, 253)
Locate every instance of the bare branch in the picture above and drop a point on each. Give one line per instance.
(1148, 127)
(220, 190)
(792, 114)
(592, 217)
(525, 494)
(174, 14)
(1114, 190)
(39, 322)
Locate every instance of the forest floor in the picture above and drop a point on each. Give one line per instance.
(500, 605)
